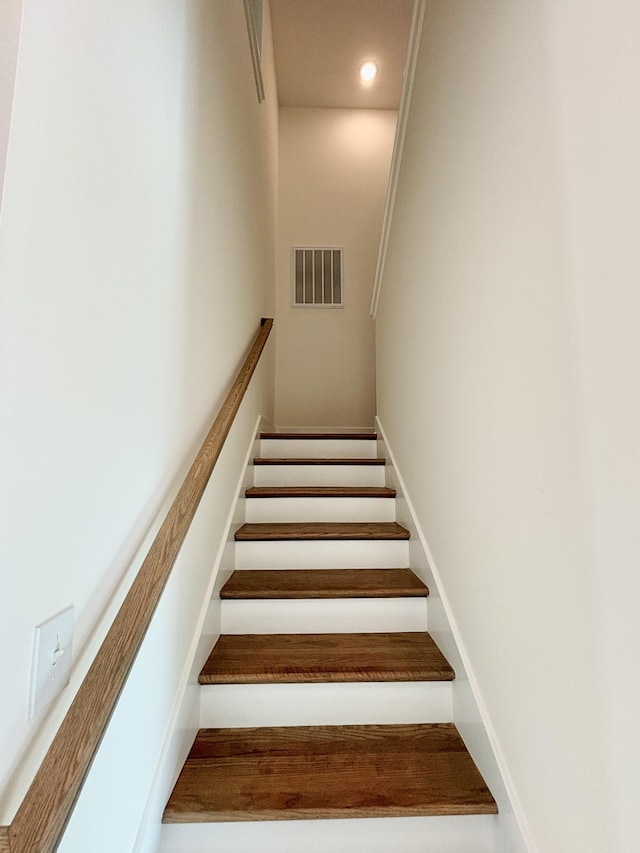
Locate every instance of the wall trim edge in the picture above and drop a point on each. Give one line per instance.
(518, 810)
(413, 47)
(177, 708)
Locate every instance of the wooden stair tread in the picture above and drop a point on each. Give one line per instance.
(323, 583)
(303, 530)
(317, 460)
(315, 658)
(311, 772)
(320, 492)
(356, 436)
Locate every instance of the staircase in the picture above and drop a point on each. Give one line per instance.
(325, 697)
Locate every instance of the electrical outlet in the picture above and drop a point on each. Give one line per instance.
(51, 659)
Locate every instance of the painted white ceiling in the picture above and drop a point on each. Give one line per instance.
(320, 45)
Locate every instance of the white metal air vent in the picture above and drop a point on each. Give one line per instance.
(317, 277)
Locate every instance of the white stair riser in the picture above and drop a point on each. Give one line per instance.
(455, 834)
(324, 616)
(314, 448)
(249, 705)
(320, 509)
(254, 705)
(332, 554)
(318, 475)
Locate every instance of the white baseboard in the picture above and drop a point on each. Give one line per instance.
(185, 718)
(469, 710)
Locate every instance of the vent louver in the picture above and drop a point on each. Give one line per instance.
(317, 277)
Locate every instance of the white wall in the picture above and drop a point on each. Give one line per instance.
(136, 259)
(508, 349)
(10, 12)
(598, 66)
(334, 168)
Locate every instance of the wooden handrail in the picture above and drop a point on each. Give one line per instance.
(47, 805)
(4, 840)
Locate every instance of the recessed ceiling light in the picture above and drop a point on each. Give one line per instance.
(368, 71)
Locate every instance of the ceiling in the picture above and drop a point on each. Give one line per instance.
(320, 45)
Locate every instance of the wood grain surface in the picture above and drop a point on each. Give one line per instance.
(42, 815)
(359, 436)
(328, 772)
(320, 492)
(5, 846)
(314, 658)
(303, 530)
(321, 460)
(323, 583)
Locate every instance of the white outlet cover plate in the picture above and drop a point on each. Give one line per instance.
(51, 659)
